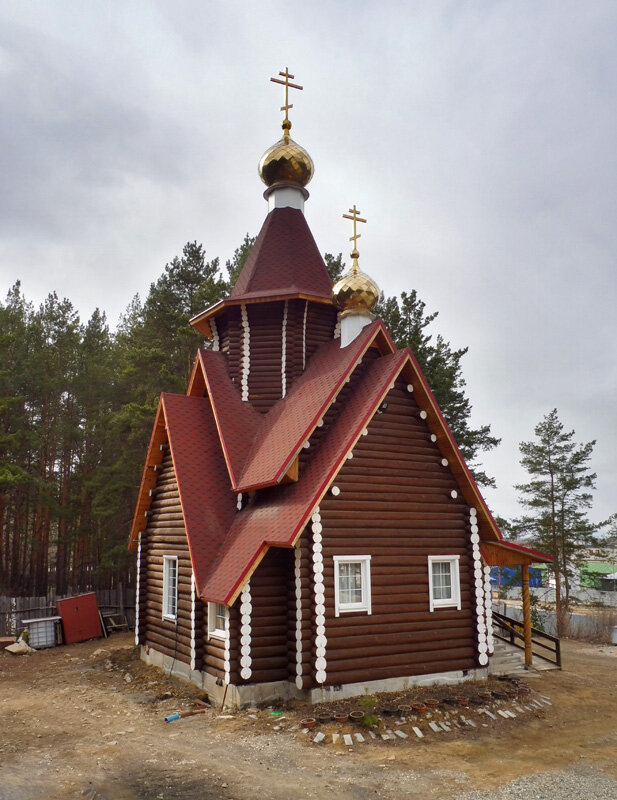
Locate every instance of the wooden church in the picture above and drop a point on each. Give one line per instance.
(306, 525)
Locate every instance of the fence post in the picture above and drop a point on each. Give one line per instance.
(121, 597)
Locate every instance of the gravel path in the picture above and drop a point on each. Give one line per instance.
(580, 783)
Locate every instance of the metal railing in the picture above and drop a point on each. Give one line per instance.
(543, 645)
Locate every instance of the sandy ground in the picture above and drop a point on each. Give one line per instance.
(80, 723)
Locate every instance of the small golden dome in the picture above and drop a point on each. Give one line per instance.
(355, 290)
(286, 161)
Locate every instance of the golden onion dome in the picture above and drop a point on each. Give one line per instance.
(286, 162)
(355, 290)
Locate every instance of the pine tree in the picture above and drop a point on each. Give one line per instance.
(558, 497)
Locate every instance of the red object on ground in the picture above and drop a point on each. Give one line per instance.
(80, 618)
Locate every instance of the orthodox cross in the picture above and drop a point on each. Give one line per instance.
(353, 215)
(287, 75)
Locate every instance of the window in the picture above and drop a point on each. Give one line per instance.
(352, 584)
(443, 581)
(170, 587)
(217, 620)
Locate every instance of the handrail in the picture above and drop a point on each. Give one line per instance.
(513, 627)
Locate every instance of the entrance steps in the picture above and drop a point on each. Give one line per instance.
(506, 659)
(510, 660)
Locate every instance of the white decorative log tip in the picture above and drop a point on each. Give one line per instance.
(409, 387)
(335, 491)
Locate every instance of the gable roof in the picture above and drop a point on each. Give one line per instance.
(284, 263)
(187, 423)
(277, 518)
(207, 434)
(259, 448)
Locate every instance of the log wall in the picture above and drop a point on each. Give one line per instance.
(266, 350)
(230, 340)
(335, 408)
(271, 631)
(165, 535)
(395, 506)
(320, 323)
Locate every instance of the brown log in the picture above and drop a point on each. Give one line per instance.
(356, 647)
(376, 661)
(269, 675)
(183, 650)
(213, 662)
(365, 673)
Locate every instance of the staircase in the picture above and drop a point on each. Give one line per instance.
(506, 659)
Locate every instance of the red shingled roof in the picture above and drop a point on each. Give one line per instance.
(278, 518)
(237, 422)
(283, 260)
(208, 505)
(289, 423)
(284, 263)
(259, 448)
(207, 433)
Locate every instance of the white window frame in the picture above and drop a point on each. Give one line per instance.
(365, 604)
(213, 631)
(168, 613)
(454, 601)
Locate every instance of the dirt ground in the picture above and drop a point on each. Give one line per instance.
(88, 721)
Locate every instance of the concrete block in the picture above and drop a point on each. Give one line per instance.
(418, 732)
(489, 713)
(372, 734)
(400, 734)
(502, 713)
(347, 739)
(471, 723)
(358, 737)
(319, 737)
(434, 727)
(335, 737)
(445, 726)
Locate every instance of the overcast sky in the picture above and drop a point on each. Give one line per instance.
(478, 138)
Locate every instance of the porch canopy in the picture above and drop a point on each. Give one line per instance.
(508, 554)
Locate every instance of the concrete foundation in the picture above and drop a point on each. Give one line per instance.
(325, 694)
(254, 694)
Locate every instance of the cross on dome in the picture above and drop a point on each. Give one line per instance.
(353, 215)
(287, 75)
(355, 293)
